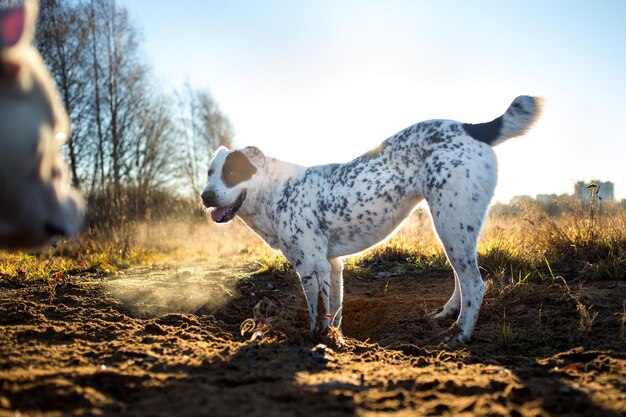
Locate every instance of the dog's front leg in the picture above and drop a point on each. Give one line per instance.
(336, 291)
(315, 277)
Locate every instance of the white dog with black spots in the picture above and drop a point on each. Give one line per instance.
(317, 215)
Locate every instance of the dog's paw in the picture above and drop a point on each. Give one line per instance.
(443, 313)
(453, 337)
(330, 336)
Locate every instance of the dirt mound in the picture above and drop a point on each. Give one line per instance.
(165, 342)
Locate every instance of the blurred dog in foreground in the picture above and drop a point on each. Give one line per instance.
(36, 201)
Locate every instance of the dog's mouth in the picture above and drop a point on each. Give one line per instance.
(227, 213)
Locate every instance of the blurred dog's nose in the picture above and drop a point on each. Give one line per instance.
(54, 230)
(208, 197)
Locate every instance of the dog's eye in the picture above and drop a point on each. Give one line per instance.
(210, 172)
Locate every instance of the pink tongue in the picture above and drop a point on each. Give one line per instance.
(218, 214)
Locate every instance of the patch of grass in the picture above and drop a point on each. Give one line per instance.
(536, 245)
(100, 251)
(530, 246)
(402, 255)
(91, 253)
(585, 313)
(505, 336)
(587, 318)
(523, 247)
(87, 255)
(274, 264)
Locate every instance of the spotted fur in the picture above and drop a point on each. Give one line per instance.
(317, 215)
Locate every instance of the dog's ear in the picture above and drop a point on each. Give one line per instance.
(218, 150)
(237, 168)
(255, 155)
(17, 25)
(12, 22)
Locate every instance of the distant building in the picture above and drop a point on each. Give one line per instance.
(518, 199)
(603, 191)
(546, 199)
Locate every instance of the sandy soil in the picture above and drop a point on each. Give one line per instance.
(167, 342)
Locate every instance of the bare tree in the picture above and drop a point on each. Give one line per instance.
(119, 79)
(127, 140)
(204, 128)
(153, 164)
(98, 176)
(61, 37)
(123, 79)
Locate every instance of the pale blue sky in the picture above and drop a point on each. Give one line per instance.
(323, 81)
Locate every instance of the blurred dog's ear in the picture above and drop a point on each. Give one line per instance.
(12, 22)
(17, 27)
(255, 155)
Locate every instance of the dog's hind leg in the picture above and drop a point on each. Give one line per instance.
(336, 291)
(458, 213)
(459, 235)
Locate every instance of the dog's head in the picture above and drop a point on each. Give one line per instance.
(36, 202)
(232, 176)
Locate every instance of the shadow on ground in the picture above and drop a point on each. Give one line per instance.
(167, 342)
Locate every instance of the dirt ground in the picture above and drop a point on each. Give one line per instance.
(167, 342)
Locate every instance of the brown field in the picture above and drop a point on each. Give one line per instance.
(153, 326)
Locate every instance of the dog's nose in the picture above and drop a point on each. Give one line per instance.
(54, 230)
(208, 197)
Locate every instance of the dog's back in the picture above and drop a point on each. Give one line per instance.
(364, 200)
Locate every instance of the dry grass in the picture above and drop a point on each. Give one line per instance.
(529, 246)
(544, 246)
(82, 256)
(525, 246)
(505, 335)
(138, 243)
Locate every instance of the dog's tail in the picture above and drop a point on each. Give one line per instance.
(519, 117)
